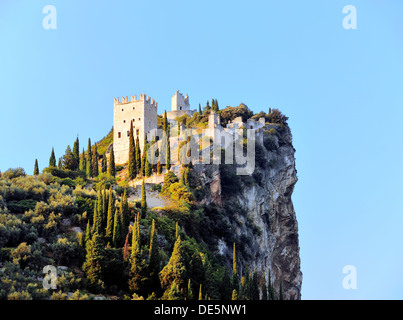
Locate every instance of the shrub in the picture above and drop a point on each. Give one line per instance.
(64, 173)
(14, 173)
(21, 206)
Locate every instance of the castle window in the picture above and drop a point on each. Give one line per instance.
(124, 121)
(122, 109)
(134, 108)
(119, 135)
(134, 120)
(180, 108)
(128, 133)
(138, 131)
(139, 119)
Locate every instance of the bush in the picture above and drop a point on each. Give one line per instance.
(14, 173)
(21, 206)
(67, 182)
(64, 173)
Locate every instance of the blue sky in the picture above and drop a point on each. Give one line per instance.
(342, 90)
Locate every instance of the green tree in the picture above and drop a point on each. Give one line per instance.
(168, 153)
(165, 122)
(83, 162)
(234, 295)
(124, 212)
(87, 233)
(36, 168)
(264, 288)
(154, 258)
(93, 265)
(117, 232)
(137, 264)
(143, 200)
(159, 167)
(271, 289)
(235, 281)
(176, 230)
(132, 167)
(97, 220)
(104, 164)
(60, 164)
(109, 220)
(189, 294)
(112, 168)
(52, 160)
(175, 270)
(89, 159)
(95, 170)
(68, 159)
(138, 154)
(76, 154)
(254, 286)
(200, 110)
(200, 292)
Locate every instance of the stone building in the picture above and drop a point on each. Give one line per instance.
(142, 113)
(179, 106)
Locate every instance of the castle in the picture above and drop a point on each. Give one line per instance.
(143, 114)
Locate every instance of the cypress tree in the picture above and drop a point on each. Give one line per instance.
(143, 200)
(68, 161)
(200, 110)
(154, 257)
(126, 248)
(189, 291)
(76, 154)
(52, 160)
(264, 288)
(144, 156)
(36, 168)
(112, 168)
(168, 154)
(234, 295)
(116, 239)
(125, 212)
(138, 154)
(104, 163)
(60, 164)
(254, 286)
(89, 160)
(176, 230)
(83, 162)
(95, 170)
(132, 167)
(87, 233)
(159, 167)
(235, 281)
(147, 165)
(200, 292)
(109, 220)
(93, 265)
(271, 289)
(165, 122)
(175, 270)
(136, 263)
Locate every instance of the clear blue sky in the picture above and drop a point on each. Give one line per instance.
(342, 90)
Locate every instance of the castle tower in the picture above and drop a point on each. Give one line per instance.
(142, 113)
(179, 102)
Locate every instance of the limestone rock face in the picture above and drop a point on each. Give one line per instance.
(266, 226)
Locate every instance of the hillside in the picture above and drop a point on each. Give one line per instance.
(191, 231)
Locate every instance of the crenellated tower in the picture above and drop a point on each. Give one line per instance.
(142, 113)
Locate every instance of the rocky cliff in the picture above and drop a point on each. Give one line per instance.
(260, 211)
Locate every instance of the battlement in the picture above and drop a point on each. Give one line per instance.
(143, 97)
